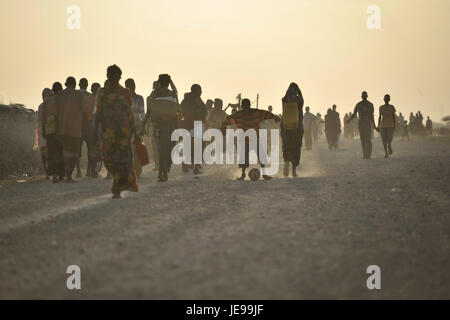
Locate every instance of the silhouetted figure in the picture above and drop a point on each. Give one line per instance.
(209, 108)
(308, 121)
(387, 125)
(217, 115)
(248, 118)
(193, 109)
(116, 120)
(138, 108)
(405, 134)
(70, 112)
(429, 126)
(399, 123)
(94, 154)
(163, 129)
(149, 130)
(54, 146)
(332, 129)
(41, 141)
(292, 138)
(346, 126)
(365, 111)
(337, 122)
(86, 130)
(353, 126)
(317, 127)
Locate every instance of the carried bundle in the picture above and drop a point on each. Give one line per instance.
(290, 115)
(163, 109)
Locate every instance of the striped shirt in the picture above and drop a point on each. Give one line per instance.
(247, 119)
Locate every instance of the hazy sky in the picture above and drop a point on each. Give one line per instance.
(233, 46)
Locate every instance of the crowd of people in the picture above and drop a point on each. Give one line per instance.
(112, 121)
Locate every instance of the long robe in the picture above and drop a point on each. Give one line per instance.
(117, 124)
(292, 139)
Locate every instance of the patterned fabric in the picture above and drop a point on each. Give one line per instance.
(116, 118)
(245, 120)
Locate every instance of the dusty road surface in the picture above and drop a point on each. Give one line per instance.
(215, 238)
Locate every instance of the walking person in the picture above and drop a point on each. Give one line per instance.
(41, 141)
(163, 128)
(149, 131)
(332, 129)
(94, 153)
(292, 138)
(138, 108)
(364, 109)
(193, 109)
(429, 126)
(54, 147)
(308, 123)
(69, 124)
(387, 125)
(86, 130)
(245, 119)
(115, 118)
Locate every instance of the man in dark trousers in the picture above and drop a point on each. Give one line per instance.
(193, 109)
(163, 129)
(365, 110)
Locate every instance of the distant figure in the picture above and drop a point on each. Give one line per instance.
(419, 117)
(386, 125)
(209, 108)
(41, 141)
(405, 133)
(94, 154)
(86, 128)
(353, 126)
(217, 116)
(335, 111)
(138, 108)
(308, 122)
(332, 129)
(346, 126)
(365, 111)
(292, 139)
(69, 123)
(151, 132)
(54, 146)
(116, 119)
(337, 120)
(317, 127)
(429, 126)
(193, 109)
(399, 122)
(163, 129)
(413, 123)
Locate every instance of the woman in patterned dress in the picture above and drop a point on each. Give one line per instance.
(115, 117)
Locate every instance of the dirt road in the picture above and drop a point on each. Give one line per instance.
(215, 238)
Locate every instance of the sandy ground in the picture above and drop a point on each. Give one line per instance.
(215, 238)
